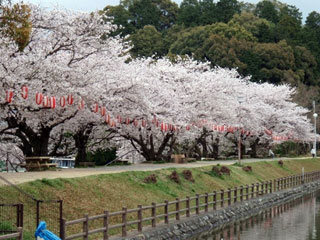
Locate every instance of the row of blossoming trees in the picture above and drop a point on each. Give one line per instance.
(70, 87)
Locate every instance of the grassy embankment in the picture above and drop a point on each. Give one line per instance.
(94, 194)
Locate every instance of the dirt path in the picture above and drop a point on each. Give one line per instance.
(81, 172)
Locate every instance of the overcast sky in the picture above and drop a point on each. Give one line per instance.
(305, 6)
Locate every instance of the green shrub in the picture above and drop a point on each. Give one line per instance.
(102, 156)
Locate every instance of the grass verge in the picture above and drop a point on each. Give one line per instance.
(95, 194)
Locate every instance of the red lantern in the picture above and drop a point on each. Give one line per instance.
(220, 128)
(53, 102)
(268, 132)
(46, 102)
(70, 99)
(119, 119)
(143, 123)
(9, 96)
(136, 123)
(62, 101)
(154, 120)
(232, 129)
(39, 98)
(164, 127)
(95, 108)
(81, 104)
(188, 128)
(107, 119)
(103, 111)
(24, 92)
(113, 124)
(127, 121)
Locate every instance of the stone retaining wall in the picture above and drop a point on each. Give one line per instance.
(194, 226)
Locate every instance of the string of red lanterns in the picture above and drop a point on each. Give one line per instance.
(50, 102)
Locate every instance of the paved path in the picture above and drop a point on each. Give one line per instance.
(81, 172)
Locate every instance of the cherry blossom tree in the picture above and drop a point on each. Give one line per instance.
(63, 56)
(83, 83)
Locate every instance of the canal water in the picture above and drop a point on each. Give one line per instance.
(296, 220)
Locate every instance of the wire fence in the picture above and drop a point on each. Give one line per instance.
(19, 208)
(11, 217)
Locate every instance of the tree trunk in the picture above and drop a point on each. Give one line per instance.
(81, 138)
(215, 149)
(33, 144)
(253, 146)
(41, 142)
(203, 143)
(146, 147)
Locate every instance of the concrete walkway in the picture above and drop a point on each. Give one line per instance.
(81, 172)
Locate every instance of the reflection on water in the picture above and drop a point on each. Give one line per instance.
(297, 220)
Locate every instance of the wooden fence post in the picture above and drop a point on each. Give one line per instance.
(229, 196)
(206, 200)
(235, 194)
(247, 192)
(106, 225)
(241, 193)
(214, 200)
(197, 203)
(63, 229)
(279, 183)
(38, 212)
(252, 190)
(177, 209)
(262, 188)
(222, 197)
(140, 218)
(20, 230)
(270, 186)
(124, 222)
(285, 182)
(166, 212)
(85, 227)
(60, 216)
(266, 186)
(290, 181)
(188, 206)
(153, 213)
